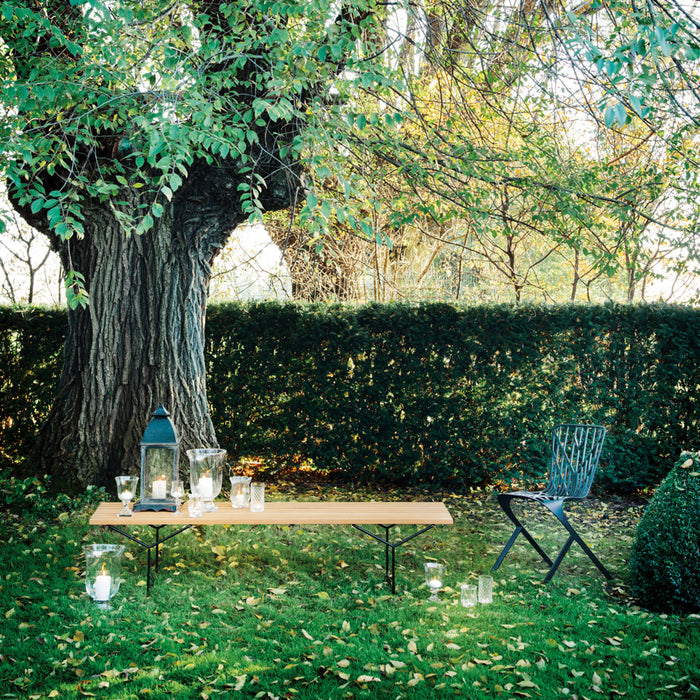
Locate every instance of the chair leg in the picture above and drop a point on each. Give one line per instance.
(504, 500)
(557, 508)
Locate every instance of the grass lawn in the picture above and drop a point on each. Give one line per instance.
(304, 612)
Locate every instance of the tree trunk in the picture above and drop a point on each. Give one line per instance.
(140, 342)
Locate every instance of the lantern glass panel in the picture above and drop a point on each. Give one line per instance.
(159, 471)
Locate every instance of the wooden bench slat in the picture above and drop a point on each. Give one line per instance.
(290, 513)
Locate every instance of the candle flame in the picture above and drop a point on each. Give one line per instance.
(103, 572)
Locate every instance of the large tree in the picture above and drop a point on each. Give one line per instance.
(137, 135)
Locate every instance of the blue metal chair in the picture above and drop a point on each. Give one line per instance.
(575, 453)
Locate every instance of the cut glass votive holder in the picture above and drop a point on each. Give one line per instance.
(257, 497)
(485, 589)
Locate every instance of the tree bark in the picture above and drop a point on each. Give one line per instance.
(140, 342)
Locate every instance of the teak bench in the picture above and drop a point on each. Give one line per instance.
(384, 514)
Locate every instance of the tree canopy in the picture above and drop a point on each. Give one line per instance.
(457, 107)
(138, 134)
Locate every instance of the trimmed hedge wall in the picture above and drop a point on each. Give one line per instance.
(428, 392)
(435, 393)
(31, 348)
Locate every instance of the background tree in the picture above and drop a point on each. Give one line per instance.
(506, 106)
(27, 267)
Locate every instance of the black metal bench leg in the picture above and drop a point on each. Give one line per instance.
(148, 547)
(390, 550)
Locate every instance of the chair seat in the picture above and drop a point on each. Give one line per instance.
(539, 496)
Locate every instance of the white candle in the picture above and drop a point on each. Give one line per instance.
(127, 495)
(103, 585)
(160, 488)
(435, 582)
(206, 487)
(239, 498)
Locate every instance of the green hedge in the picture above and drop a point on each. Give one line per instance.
(31, 347)
(429, 392)
(441, 394)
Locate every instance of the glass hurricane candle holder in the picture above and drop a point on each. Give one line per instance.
(126, 490)
(240, 491)
(434, 575)
(206, 473)
(102, 569)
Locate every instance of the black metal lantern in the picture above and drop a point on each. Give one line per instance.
(160, 452)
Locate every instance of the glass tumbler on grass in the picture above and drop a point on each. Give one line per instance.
(485, 589)
(257, 497)
(468, 596)
(434, 575)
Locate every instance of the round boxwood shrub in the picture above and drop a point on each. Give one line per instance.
(665, 562)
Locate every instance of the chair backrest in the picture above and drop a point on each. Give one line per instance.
(575, 453)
